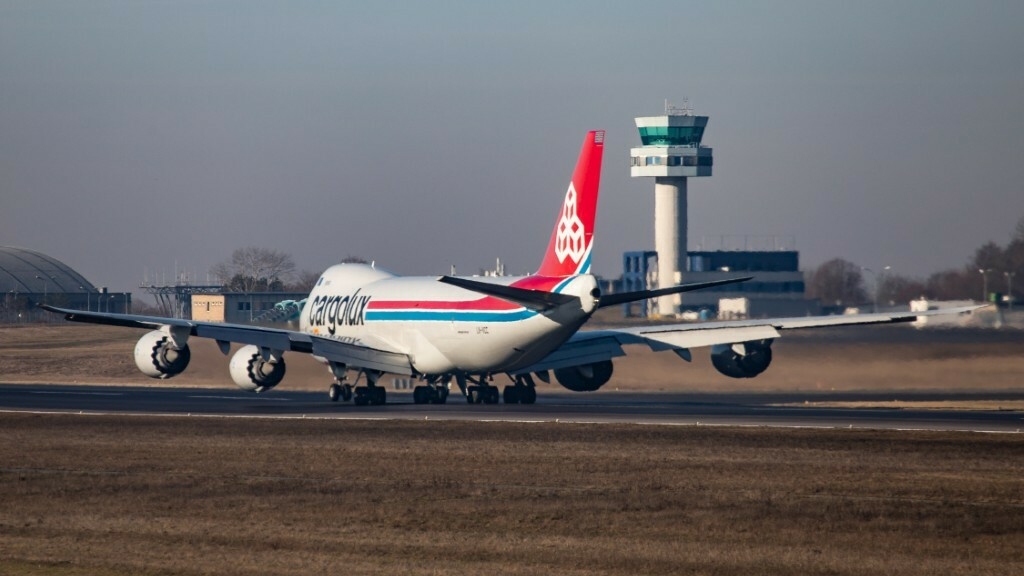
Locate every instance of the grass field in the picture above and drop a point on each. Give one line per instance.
(91, 495)
(130, 495)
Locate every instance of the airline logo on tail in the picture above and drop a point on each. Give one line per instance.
(568, 251)
(571, 240)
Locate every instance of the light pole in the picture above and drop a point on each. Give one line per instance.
(38, 277)
(874, 277)
(1009, 289)
(984, 283)
(882, 274)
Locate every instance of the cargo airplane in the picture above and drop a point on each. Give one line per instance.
(442, 329)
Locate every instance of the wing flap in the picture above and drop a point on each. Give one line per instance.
(582, 348)
(698, 338)
(357, 355)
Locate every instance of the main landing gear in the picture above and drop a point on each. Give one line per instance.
(371, 395)
(477, 389)
(341, 392)
(480, 391)
(522, 392)
(435, 391)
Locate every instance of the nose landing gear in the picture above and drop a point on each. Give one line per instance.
(371, 394)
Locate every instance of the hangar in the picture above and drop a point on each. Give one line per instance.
(28, 278)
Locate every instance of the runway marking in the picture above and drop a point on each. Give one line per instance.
(78, 393)
(243, 398)
(563, 421)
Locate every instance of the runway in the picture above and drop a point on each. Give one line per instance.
(724, 409)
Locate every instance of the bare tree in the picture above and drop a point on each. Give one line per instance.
(954, 284)
(895, 289)
(989, 257)
(254, 269)
(838, 282)
(305, 281)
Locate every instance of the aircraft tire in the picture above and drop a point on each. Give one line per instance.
(528, 395)
(439, 396)
(511, 395)
(490, 395)
(421, 395)
(334, 392)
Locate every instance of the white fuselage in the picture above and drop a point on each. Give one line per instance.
(444, 329)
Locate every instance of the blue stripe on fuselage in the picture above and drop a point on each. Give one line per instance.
(446, 316)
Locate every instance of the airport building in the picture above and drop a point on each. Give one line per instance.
(247, 307)
(29, 278)
(672, 152)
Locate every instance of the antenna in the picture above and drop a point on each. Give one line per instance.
(684, 110)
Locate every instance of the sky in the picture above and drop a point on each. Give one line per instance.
(140, 139)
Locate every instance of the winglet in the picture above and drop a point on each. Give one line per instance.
(568, 251)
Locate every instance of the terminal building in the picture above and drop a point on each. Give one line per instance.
(672, 151)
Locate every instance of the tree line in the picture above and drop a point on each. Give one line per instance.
(255, 269)
(992, 269)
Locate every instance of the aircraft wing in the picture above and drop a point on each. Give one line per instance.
(358, 354)
(597, 345)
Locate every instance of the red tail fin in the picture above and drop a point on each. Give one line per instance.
(568, 252)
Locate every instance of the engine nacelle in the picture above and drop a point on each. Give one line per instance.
(251, 372)
(743, 360)
(586, 377)
(158, 357)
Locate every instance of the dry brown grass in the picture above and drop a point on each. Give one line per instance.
(124, 495)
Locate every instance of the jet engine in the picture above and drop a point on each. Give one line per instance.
(158, 357)
(586, 377)
(251, 372)
(743, 360)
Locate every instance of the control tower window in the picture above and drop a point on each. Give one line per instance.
(671, 135)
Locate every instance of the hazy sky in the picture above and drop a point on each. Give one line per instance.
(136, 136)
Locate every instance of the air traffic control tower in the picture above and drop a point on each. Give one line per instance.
(671, 152)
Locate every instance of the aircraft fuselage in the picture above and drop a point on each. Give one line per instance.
(445, 329)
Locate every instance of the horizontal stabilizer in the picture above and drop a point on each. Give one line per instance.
(623, 297)
(537, 300)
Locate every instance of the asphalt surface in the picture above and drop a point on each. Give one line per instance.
(768, 409)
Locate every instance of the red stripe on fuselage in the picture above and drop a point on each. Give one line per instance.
(487, 303)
